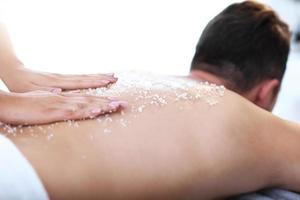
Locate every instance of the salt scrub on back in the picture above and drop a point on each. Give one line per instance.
(156, 90)
(146, 90)
(150, 88)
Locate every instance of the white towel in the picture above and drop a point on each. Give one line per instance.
(18, 179)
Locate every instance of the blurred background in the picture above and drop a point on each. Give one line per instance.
(92, 36)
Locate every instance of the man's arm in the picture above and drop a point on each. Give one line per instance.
(252, 150)
(268, 157)
(286, 149)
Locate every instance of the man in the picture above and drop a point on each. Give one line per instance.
(245, 48)
(176, 140)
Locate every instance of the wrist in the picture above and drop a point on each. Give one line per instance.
(9, 66)
(9, 104)
(9, 70)
(5, 97)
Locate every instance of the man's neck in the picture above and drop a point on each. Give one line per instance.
(206, 76)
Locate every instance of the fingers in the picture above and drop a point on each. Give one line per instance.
(84, 107)
(50, 89)
(79, 95)
(35, 88)
(71, 82)
(43, 107)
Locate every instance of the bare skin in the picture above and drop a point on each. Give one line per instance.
(42, 107)
(195, 152)
(32, 107)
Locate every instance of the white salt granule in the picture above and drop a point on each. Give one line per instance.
(123, 122)
(108, 119)
(107, 130)
(141, 108)
(50, 136)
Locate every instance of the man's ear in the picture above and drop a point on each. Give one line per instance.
(265, 93)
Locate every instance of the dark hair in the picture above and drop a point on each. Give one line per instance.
(245, 44)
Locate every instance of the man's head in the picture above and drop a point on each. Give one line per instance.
(247, 46)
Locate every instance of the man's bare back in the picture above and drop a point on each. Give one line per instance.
(178, 139)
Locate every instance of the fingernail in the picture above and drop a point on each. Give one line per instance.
(112, 98)
(56, 90)
(105, 81)
(96, 110)
(111, 78)
(110, 74)
(114, 104)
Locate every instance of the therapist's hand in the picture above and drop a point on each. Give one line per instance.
(41, 107)
(20, 79)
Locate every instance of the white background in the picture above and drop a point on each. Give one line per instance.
(92, 36)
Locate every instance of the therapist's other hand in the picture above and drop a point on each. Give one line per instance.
(45, 107)
(21, 79)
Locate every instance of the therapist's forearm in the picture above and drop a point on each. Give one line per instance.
(19, 79)
(8, 58)
(3, 101)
